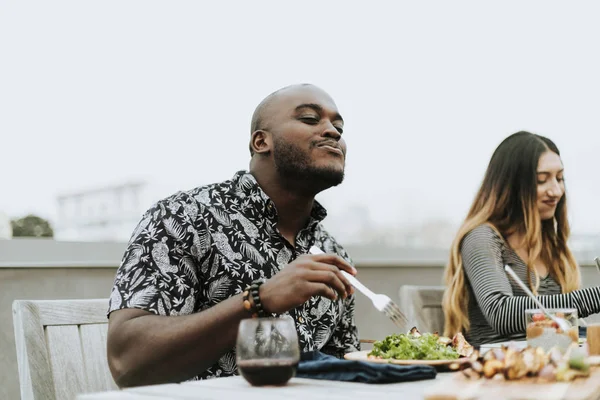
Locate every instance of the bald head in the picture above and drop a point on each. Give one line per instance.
(264, 111)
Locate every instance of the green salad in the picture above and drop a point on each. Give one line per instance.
(409, 346)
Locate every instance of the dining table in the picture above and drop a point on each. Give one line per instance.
(297, 388)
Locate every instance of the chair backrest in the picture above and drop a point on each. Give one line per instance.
(423, 307)
(61, 348)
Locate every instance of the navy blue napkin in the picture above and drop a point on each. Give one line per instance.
(317, 365)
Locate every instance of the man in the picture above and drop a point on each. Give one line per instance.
(184, 282)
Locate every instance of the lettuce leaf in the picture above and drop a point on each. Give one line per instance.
(409, 347)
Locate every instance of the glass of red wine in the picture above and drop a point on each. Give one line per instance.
(267, 350)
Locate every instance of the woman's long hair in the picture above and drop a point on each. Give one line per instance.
(507, 201)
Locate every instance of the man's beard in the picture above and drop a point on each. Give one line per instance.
(293, 163)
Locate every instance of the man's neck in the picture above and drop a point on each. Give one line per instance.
(293, 207)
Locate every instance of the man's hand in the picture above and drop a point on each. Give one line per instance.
(307, 276)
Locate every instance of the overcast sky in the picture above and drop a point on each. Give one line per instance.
(100, 92)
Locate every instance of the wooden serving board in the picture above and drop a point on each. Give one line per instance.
(460, 388)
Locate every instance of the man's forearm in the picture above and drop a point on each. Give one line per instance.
(150, 349)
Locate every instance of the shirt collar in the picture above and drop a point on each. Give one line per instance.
(246, 185)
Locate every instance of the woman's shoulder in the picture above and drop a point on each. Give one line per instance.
(485, 233)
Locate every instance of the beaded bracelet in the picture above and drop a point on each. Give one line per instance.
(254, 307)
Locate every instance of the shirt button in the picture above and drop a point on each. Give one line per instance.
(301, 320)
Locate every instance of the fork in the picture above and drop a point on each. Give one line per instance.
(562, 323)
(381, 302)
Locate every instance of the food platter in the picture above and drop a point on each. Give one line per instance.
(457, 387)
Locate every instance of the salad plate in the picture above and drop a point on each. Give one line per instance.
(414, 348)
(364, 356)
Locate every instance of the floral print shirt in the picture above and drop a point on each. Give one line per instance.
(195, 249)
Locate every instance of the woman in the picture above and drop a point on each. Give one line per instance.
(519, 218)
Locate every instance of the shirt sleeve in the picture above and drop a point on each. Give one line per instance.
(159, 271)
(481, 252)
(345, 336)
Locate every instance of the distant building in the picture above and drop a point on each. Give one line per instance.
(437, 234)
(350, 225)
(354, 226)
(585, 246)
(101, 214)
(5, 226)
(583, 242)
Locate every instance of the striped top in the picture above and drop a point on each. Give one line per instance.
(496, 303)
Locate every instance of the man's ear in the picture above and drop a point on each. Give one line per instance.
(261, 142)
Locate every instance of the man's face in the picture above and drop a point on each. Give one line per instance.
(307, 137)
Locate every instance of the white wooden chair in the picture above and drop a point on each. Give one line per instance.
(61, 348)
(423, 307)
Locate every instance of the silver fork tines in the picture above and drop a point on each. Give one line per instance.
(396, 315)
(380, 301)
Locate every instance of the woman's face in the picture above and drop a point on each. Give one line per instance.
(550, 184)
